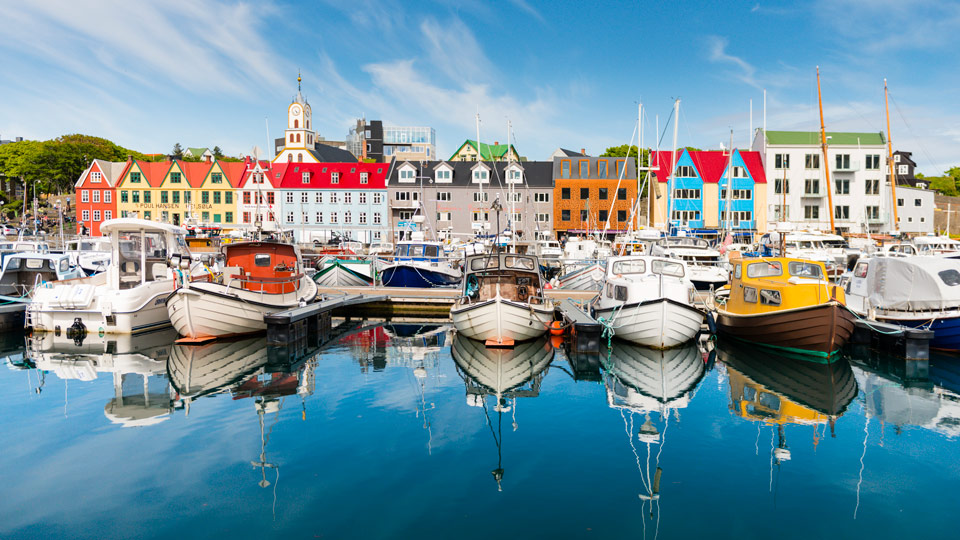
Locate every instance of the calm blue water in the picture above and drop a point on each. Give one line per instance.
(404, 431)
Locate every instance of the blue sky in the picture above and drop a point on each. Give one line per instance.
(205, 73)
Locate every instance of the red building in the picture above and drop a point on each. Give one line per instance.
(95, 192)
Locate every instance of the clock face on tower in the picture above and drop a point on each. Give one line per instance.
(296, 111)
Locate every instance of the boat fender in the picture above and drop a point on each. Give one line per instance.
(711, 323)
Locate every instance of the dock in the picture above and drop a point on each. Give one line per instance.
(308, 323)
(873, 339)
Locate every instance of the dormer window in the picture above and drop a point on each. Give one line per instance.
(407, 175)
(514, 176)
(481, 176)
(335, 178)
(444, 175)
(364, 178)
(306, 178)
(95, 177)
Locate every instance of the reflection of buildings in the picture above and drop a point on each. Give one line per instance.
(778, 390)
(504, 375)
(142, 394)
(645, 381)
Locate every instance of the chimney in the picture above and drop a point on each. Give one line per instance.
(583, 151)
(208, 158)
(129, 158)
(496, 143)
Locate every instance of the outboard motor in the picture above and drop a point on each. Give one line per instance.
(77, 331)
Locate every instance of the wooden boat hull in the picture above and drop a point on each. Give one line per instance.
(498, 319)
(659, 324)
(819, 330)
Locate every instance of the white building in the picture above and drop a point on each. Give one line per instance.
(915, 208)
(860, 185)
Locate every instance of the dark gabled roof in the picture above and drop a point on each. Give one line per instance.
(906, 156)
(536, 174)
(571, 153)
(325, 153)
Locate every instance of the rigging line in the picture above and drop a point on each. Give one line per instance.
(756, 444)
(770, 487)
(910, 129)
(863, 455)
(623, 172)
(665, 126)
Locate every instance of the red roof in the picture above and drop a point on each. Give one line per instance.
(234, 171)
(195, 171)
(153, 171)
(273, 172)
(320, 174)
(710, 164)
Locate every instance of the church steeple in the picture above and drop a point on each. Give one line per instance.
(299, 137)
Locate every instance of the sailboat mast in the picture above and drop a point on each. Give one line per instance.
(672, 179)
(826, 162)
(893, 177)
(511, 191)
(729, 188)
(480, 183)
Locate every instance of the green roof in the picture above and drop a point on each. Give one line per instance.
(197, 152)
(487, 151)
(835, 138)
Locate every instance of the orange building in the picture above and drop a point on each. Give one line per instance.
(593, 194)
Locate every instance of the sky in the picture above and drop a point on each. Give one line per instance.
(569, 74)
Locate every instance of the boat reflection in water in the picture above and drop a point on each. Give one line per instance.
(142, 395)
(641, 381)
(776, 389)
(504, 375)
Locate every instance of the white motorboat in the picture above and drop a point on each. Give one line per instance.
(502, 299)
(258, 278)
(585, 276)
(649, 301)
(705, 265)
(129, 296)
(201, 370)
(90, 254)
(338, 272)
(644, 380)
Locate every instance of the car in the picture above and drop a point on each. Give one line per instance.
(6, 230)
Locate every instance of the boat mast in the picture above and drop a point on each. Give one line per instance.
(511, 191)
(729, 189)
(893, 177)
(826, 162)
(672, 179)
(478, 161)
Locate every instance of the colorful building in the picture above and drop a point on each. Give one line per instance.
(257, 202)
(594, 194)
(488, 152)
(95, 190)
(699, 198)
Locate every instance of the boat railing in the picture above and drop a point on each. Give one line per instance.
(232, 279)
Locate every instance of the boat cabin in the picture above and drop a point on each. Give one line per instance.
(635, 278)
(934, 245)
(763, 285)
(142, 251)
(431, 251)
(22, 272)
(96, 245)
(516, 277)
(269, 267)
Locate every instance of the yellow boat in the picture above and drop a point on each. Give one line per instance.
(785, 303)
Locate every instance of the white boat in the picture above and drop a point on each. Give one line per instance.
(201, 370)
(24, 272)
(90, 254)
(337, 272)
(644, 380)
(649, 301)
(502, 299)
(585, 276)
(127, 298)
(936, 245)
(548, 249)
(258, 278)
(705, 265)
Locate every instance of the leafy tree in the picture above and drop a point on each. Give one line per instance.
(177, 151)
(217, 152)
(945, 185)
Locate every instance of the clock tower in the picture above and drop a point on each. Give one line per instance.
(299, 136)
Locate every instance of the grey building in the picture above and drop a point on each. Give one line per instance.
(455, 198)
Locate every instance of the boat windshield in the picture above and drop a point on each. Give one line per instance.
(629, 267)
(519, 263)
(667, 268)
(804, 270)
(764, 269)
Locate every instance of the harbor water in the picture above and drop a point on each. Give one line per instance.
(408, 431)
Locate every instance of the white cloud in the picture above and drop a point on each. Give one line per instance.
(745, 72)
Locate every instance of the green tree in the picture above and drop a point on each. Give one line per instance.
(217, 152)
(177, 151)
(945, 185)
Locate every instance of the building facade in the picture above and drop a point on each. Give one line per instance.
(905, 170)
(860, 187)
(700, 198)
(456, 198)
(488, 152)
(594, 194)
(95, 192)
(916, 210)
(257, 202)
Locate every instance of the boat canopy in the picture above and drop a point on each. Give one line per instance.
(911, 283)
(503, 261)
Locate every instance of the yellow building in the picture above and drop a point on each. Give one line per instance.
(181, 193)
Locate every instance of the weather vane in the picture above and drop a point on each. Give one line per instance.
(298, 80)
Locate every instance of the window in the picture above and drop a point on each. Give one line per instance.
(602, 193)
(873, 187)
(443, 175)
(246, 217)
(174, 178)
(107, 214)
(135, 196)
(205, 197)
(135, 177)
(481, 216)
(565, 194)
(335, 200)
(917, 202)
(739, 172)
(146, 197)
(443, 216)
(584, 193)
(873, 162)
(620, 164)
(335, 177)
(811, 186)
(107, 196)
(363, 197)
(363, 218)
(481, 176)
(843, 187)
(781, 212)
(376, 218)
(515, 197)
(84, 196)
(565, 169)
(738, 194)
(738, 216)
(584, 215)
(841, 212)
(781, 161)
(686, 215)
(305, 197)
(769, 297)
(686, 194)
(124, 197)
(377, 198)
(779, 184)
(146, 215)
(164, 197)
(216, 178)
(246, 197)
(96, 215)
(903, 169)
(564, 215)
(85, 215)
(811, 212)
(270, 198)
(481, 197)
(603, 216)
(621, 215)
(584, 169)
(289, 217)
(96, 195)
(305, 178)
(319, 217)
(364, 178)
(764, 269)
(318, 197)
(289, 197)
(686, 171)
(950, 277)
(602, 168)
(843, 162)
(621, 194)
(216, 197)
(542, 218)
(514, 176)
(899, 202)
(228, 197)
(176, 197)
(347, 198)
(517, 217)
(187, 197)
(216, 218)
(541, 197)
(205, 216)
(811, 161)
(443, 196)
(873, 212)
(305, 218)
(347, 217)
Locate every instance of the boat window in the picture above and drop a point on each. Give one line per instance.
(620, 293)
(861, 270)
(629, 267)
(401, 250)
(609, 290)
(770, 298)
(13, 264)
(64, 265)
(738, 272)
(155, 245)
(764, 269)
(432, 251)
(483, 262)
(805, 270)
(416, 250)
(749, 293)
(950, 277)
(520, 263)
(770, 401)
(34, 264)
(667, 268)
(749, 393)
(261, 259)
